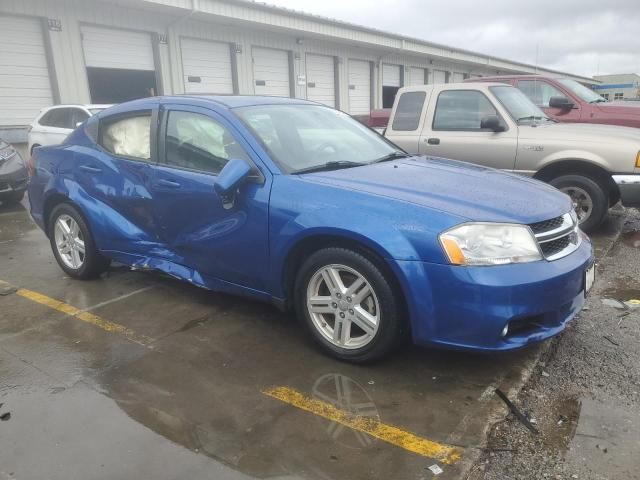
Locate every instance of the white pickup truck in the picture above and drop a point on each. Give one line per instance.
(496, 125)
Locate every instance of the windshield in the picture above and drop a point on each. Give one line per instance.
(521, 109)
(303, 137)
(581, 91)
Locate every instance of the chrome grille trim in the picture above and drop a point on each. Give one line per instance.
(569, 229)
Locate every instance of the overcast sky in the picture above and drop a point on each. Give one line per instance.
(585, 37)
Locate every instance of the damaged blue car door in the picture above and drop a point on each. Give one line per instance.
(218, 234)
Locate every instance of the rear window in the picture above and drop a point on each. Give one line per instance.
(128, 136)
(408, 111)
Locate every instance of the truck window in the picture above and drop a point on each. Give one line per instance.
(408, 111)
(539, 92)
(461, 110)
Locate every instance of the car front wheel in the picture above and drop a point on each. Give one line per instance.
(73, 244)
(348, 305)
(590, 200)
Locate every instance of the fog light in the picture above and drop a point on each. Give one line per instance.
(505, 330)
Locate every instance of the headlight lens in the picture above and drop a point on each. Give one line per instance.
(490, 244)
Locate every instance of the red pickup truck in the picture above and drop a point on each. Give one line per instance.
(562, 99)
(569, 101)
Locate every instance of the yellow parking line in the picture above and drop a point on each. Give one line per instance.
(388, 433)
(74, 312)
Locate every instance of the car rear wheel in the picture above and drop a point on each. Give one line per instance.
(348, 305)
(589, 198)
(72, 244)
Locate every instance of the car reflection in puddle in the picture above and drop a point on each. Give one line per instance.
(347, 395)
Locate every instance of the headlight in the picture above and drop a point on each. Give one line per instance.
(490, 244)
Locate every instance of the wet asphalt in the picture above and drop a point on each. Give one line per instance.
(181, 396)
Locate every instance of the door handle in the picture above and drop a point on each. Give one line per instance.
(90, 169)
(167, 183)
(433, 141)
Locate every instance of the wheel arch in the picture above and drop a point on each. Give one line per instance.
(579, 166)
(308, 245)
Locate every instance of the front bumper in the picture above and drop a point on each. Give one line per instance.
(468, 307)
(629, 186)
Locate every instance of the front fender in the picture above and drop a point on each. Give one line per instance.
(393, 230)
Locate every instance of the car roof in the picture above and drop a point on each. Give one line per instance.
(462, 86)
(224, 101)
(509, 77)
(79, 105)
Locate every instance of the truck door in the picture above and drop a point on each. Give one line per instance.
(452, 130)
(407, 120)
(541, 91)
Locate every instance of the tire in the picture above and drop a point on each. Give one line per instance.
(580, 186)
(382, 304)
(13, 198)
(91, 263)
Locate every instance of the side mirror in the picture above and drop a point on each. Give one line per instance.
(562, 103)
(493, 123)
(234, 174)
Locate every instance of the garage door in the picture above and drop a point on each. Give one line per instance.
(458, 77)
(206, 66)
(271, 72)
(111, 48)
(25, 87)
(321, 81)
(439, 76)
(391, 75)
(359, 87)
(416, 76)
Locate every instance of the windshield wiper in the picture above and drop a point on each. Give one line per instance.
(391, 156)
(329, 166)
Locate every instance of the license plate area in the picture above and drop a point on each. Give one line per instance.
(589, 278)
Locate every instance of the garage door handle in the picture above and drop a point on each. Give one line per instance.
(90, 169)
(433, 141)
(168, 183)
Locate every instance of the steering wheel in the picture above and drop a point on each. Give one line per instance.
(325, 148)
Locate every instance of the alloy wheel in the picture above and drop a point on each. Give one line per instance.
(343, 306)
(69, 242)
(582, 202)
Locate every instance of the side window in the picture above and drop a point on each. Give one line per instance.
(78, 116)
(408, 111)
(128, 136)
(539, 92)
(461, 110)
(198, 142)
(57, 118)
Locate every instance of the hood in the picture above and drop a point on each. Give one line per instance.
(468, 191)
(631, 108)
(580, 132)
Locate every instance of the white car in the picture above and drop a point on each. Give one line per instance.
(53, 124)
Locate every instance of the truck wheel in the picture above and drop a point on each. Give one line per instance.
(73, 245)
(348, 305)
(589, 198)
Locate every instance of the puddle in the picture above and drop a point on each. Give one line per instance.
(606, 440)
(631, 239)
(565, 418)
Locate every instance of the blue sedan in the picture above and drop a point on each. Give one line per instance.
(298, 204)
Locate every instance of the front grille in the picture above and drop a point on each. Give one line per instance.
(546, 225)
(555, 246)
(557, 237)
